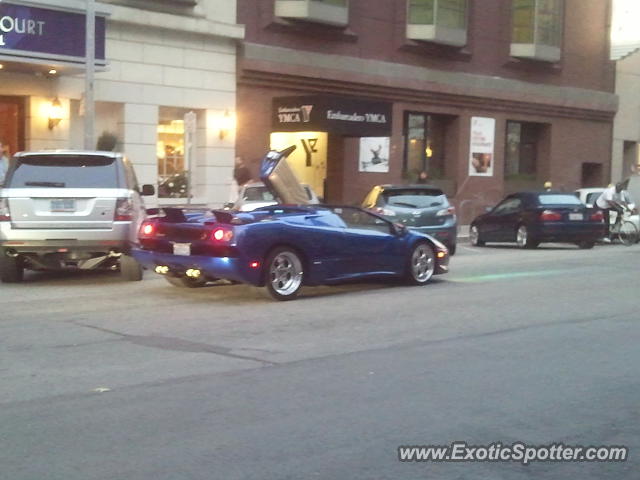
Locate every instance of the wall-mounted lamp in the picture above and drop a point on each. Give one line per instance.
(226, 123)
(55, 113)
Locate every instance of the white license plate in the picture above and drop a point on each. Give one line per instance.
(63, 205)
(182, 249)
(576, 216)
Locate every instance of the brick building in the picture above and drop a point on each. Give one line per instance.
(488, 97)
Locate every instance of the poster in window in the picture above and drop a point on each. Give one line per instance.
(481, 147)
(374, 154)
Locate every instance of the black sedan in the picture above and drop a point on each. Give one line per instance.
(530, 218)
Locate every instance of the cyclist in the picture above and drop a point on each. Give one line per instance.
(613, 198)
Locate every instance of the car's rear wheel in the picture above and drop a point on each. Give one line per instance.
(11, 268)
(422, 264)
(586, 244)
(524, 239)
(284, 274)
(474, 237)
(186, 282)
(130, 269)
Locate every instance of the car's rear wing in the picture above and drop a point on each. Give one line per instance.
(191, 215)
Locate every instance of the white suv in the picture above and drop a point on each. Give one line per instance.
(69, 210)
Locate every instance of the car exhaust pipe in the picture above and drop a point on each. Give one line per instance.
(193, 273)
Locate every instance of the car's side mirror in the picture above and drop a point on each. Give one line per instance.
(398, 229)
(148, 190)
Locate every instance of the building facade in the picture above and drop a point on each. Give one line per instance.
(164, 89)
(486, 97)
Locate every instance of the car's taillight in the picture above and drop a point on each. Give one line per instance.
(384, 211)
(446, 211)
(550, 216)
(5, 215)
(222, 235)
(124, 210)
(597, 216)
(147, 229)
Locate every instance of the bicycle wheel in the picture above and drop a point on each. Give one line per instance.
(627, 233)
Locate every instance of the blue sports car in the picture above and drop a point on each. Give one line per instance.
(284, 247)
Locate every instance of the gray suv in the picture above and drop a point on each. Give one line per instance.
(69, 210)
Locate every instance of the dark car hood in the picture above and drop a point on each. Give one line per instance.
(280, 179)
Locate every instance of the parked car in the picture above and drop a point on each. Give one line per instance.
(422, 208)
(284, 247)
(256, 194)
(69, 209)
(530, 218)
(588, 196)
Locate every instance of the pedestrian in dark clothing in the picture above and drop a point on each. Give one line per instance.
(241, 172)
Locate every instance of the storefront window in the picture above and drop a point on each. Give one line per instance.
(172, 168)
(521, 151)
(425, 148)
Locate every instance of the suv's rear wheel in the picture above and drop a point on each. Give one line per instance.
(11, 268)
(130, 269)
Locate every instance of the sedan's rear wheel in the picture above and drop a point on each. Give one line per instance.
(11, 268)
(186, 282)
(422, 264)
(524, 239)
(474, 237)
(284, 274)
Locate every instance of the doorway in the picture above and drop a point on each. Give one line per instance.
(12, 124)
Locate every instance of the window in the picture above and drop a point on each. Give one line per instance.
(521, 145)
(173, 172)
(330, 12)
(536, 29)
(439, 21)
(425, 147)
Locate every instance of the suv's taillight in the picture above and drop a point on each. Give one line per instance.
(222, 235)
(124, 210)
(446, 211)
(5, 215)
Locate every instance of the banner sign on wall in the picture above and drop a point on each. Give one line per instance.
(374, 154)
(482, 139)
(340, 115)
(43, 34)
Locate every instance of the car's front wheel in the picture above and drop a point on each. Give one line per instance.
(284, 274)
(422, 264)
(11, 268)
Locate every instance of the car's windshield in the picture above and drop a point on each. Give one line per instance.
(559, 199)
(64, 171)
(415, 198)
(258, 194)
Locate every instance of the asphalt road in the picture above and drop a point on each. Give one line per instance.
(101, 379)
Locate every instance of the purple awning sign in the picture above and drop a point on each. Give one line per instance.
(47, 34)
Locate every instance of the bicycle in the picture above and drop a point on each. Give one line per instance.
(624, 229)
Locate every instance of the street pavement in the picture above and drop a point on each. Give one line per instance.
(103, 379)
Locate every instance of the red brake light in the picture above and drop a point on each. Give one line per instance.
(222, 235)
(550, 216)
(597, 216)
(147, 229)
(254, 264)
